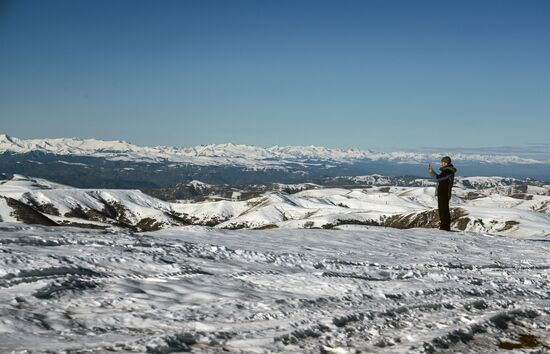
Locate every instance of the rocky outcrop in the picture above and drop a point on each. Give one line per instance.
(426, 219)
(27, 214)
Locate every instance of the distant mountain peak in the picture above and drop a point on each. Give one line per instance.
(6, 138)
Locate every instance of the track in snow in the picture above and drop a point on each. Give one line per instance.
(376, 290)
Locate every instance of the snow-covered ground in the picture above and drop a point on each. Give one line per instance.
(367, 289)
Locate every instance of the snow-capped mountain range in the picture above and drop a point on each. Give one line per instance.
(232, 154)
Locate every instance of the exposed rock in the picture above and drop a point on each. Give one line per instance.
(149, 224)
(27, 214)
(427, 219)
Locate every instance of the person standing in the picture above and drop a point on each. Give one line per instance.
(445, 181)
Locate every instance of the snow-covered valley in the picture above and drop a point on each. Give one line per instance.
(200, 289)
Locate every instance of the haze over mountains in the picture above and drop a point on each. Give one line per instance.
(100, 164)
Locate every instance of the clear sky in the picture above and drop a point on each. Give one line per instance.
(368, 74)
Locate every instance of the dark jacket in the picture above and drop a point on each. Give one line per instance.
(445, 181)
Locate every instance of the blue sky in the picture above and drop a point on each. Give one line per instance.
(368, 74)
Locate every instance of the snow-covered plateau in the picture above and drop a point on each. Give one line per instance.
(361, 290)
(321, 273)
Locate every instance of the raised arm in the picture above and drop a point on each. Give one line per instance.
(439, 176)
(442, 177)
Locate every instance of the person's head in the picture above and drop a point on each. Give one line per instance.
(445, 161)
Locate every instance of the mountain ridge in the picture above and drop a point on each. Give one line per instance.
(489, 205)
(233, 154)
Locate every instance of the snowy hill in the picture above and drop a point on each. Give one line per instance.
(492, 205)
(26, 199)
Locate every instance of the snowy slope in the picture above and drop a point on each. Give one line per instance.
(497, 209)
(67, 205)
(376, 290)
(232, 154)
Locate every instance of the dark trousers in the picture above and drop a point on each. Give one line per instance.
(444, 213)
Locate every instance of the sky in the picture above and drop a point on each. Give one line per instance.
(382, 75)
